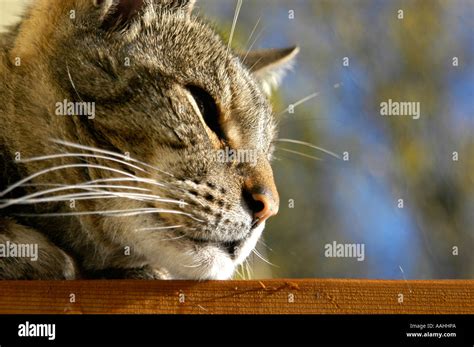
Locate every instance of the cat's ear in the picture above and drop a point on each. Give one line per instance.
(117, 13)
(269, 66)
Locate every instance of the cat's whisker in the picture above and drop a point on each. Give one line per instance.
(136, 179)
(298, 153)
(253, 31)
(160, 228)
(253, 43)
(42, 185)
(265, 244)
(98, 150)
(105, 180)
(305, 99)
(199, 202)
(245, 273)
(62, 167)
(141, 180)
(193, 266)
(299, 102)
(83, 187)
(310, 145)
(146, 197)
(234, 23)
(59, 198)
(75, 155)
(255, 64)
(112, 213)
(237, 270)
(93, 196)
(121, 179)
(71, 81)
(261, 257)
(28, 199)
(248, 269)
(118, 179)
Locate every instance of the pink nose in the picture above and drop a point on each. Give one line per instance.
(265, 207)
(261, 192)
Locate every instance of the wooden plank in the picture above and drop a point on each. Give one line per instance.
(315, 296)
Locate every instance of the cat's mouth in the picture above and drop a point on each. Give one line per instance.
(230, 247)
(200, 258)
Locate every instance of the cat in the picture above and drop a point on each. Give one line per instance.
(135, 190)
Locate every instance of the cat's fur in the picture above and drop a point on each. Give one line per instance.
(135, 60)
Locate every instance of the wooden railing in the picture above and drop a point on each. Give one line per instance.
(309, 296)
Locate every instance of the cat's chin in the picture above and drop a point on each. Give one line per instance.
(200, 260)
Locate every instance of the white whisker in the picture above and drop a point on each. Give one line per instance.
(112, 213)
(245, 270)
(72, 82)
(109, 186)
(125, 179)
(253, 43)
(42, 185)
(71, 187)
(55, 156)
(28, 199)
(311, 146)
(234, 23)
(238, 272)
(265, 245)
(94, 195)
(253, 31)
(92, 149)
(255, 64)
(140, 180)
(263, 258)
(65, 197)
(62, 167)
(160, 228)
(248, 269)
(103, 180)
(299, 102)
(298, 153)
(144, 197)
(305, 99)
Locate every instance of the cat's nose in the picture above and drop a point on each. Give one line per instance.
(261, 194)
(264, 207)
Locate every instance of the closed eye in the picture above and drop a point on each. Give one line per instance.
(208, 108)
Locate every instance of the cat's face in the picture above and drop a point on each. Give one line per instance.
(170, 93)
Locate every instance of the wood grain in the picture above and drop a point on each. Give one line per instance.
(315, 296)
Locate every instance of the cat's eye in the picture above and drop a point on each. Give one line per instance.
(208, 108)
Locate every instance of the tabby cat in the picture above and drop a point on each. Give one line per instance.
(112, 114)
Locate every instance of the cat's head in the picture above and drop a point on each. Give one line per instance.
(170, 93)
